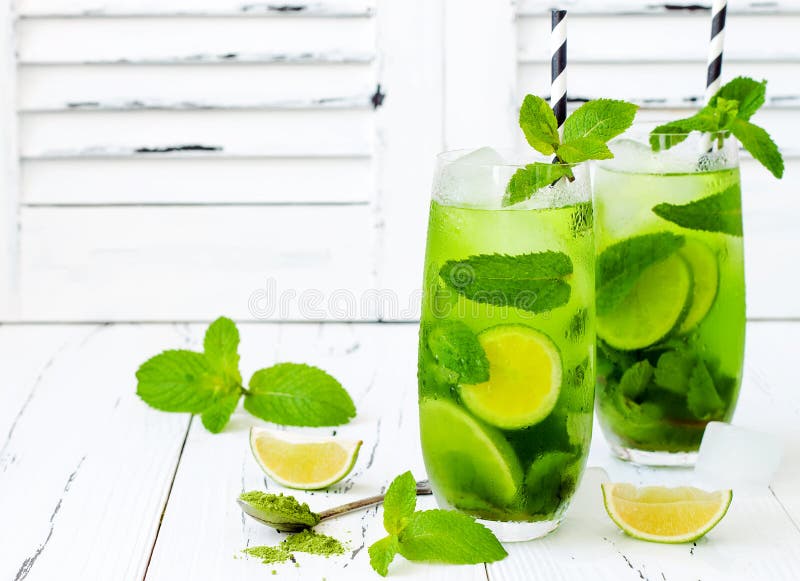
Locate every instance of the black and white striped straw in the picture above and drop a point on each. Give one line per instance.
(713, 79)
(558, 65)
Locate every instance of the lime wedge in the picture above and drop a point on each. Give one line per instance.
(665, 515)
(655, 306)
(524, 378)
(465, 457)
(302, 462)
(705, 275)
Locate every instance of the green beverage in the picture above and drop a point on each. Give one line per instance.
(506, 345)
(670, 295)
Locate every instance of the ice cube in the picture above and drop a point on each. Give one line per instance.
(632, 155)
(472, 180)
(738, 458)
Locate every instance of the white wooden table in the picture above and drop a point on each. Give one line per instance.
(95, 485)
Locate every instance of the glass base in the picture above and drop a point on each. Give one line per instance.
(514, 532)
(648, 458)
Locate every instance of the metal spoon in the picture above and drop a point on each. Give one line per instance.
(423, 488)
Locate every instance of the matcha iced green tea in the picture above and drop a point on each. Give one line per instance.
(670, 296)
(506, 351)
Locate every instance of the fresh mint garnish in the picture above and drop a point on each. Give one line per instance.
(530, 282)
(586, 132)
(442, 536)
(619, 265)
(729, 111)
(636, 379)
(720, 212)
(702, 399)
(456, 347)
(296, 394)
(210, 384)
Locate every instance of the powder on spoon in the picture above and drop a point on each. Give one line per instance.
(280, 509)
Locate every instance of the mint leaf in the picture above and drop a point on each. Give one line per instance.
(583, 149)
(619, 265)
(543, 481)
(600, 119)
(703, 400)
(296, 394)
(530, 282)
(749, 94)
(539, 124)
(673, 370)
(447, 536)
(720, 212)
(581, 222)
(220, 347)
(457, 348)
(530, 179)
(635, 379)
(381, 554)
(672, 133)
(760, 145)
(399, 503)
(177, 381)
(216, 417)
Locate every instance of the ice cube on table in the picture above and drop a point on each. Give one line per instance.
(738, 458)
(472, 180)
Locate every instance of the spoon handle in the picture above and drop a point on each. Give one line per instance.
(423, 488)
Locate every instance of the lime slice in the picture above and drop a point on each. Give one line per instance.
(656, 304)
(665, 515)
(524, 378)
(705, 275)
(465, 457)
(302, 462)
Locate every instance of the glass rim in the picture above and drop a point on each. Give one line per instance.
(453, 155)
(645, 128)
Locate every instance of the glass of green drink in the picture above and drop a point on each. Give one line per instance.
(670, 292)
(506, 344)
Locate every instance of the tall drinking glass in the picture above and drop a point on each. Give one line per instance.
(670, 292)
(506, 344)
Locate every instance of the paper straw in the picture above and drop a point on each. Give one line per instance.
(558, 65)
(713, 81)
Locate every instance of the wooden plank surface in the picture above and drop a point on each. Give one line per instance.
(9, 163)
(100, 483)
(635, 7)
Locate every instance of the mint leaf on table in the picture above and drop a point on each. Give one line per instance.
(399, 502)
(760, 145)
(220, 346)
(619, 265)
(210, 384)
(447, 536)
(442, 536)
(531, 282)
(728, 111)
(702, 398)
(584, 149)
(530, 179)
(177, 381)
(720, 212)
(299, 395)
(600, 119)
(382, 553)
(539, 124)
(673, 370)
(457, 348)
(636, 379)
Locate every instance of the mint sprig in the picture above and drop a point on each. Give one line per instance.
(456, 347)
(442, 536)
(720, 212)
(728, 112)
(210, 384)
(586, 132)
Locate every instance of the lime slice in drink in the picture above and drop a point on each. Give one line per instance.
(465, 457)
(656, 304)
(665, 515)
(524, 378)
(705, 275)
(303, 462)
